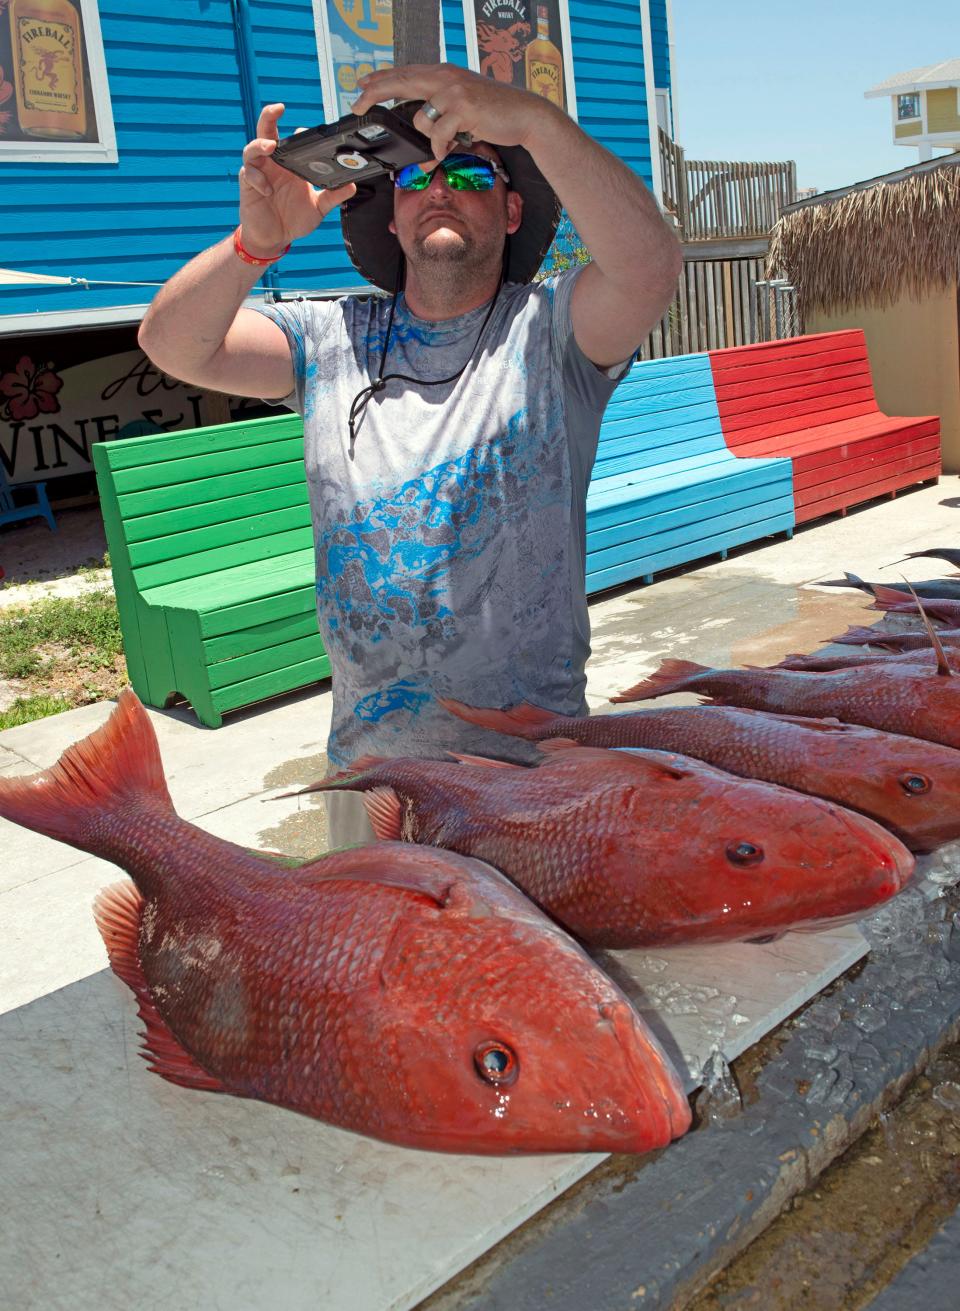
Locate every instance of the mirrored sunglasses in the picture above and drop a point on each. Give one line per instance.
(462, 173)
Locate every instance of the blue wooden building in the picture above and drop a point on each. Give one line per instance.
(148, 178)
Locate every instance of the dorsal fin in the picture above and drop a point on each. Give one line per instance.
(554, 745)
(402, 865)
(943, 667)
(523, 720)
(487, 761)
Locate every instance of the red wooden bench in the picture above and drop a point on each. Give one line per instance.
(811, 398)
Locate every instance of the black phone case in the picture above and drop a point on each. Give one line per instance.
(357, 148)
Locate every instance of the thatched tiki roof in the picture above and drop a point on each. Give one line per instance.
(872, 245)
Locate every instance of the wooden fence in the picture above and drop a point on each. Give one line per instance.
(723, 302)
(719, 198)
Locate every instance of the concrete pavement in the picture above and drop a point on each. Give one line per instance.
(752, 608)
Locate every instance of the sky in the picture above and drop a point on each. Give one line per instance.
(774, 81)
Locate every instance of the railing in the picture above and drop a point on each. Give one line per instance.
(716, 198)
(723, 302)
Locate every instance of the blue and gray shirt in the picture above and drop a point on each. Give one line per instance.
(450, 548)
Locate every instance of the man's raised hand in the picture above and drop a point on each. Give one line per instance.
(276, 206)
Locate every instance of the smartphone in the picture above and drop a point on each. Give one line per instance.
(354, 149)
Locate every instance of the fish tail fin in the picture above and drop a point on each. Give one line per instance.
(885, 598)
(672, 676)
(117, 762)
(523, 720)
(854, 580)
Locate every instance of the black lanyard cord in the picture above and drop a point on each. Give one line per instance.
(363, 397)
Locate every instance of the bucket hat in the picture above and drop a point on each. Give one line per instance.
(375, 251)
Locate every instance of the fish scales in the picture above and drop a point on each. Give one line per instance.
(910, 785)
(908, 701)
(396, 990)
(645, 848)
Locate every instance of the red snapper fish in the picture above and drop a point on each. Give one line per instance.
(640, 849)
(859, 636)
(398, 991)
(821, 663)
(909, 786)
(944, 612)
(915, 702)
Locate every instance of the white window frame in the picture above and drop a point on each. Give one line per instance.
(570, 86)
(913, 118)
(321, 26)
(103, 151)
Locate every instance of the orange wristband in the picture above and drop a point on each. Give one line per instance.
(253, 259)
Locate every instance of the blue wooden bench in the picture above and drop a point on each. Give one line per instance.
(39, 508)
(666, 489)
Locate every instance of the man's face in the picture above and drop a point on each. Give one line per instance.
(466, 228)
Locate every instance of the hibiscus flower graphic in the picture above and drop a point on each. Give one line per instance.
(30, 390)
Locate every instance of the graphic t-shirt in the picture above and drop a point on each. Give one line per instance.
(450, 544)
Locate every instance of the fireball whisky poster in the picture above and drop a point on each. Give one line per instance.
(354, 37)
(54, 101)
(525, 43)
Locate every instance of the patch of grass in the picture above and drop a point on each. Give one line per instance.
(58, 653)
(87, 628)
(26, 709)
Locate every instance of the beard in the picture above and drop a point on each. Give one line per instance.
(446, 253)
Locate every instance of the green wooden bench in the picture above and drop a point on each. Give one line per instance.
(212, 557)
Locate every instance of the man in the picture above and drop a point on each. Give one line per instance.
(449, 431)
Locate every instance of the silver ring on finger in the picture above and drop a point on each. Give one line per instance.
(429, 111)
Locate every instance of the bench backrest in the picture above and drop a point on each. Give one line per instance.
(779, 387)
(181, 505)
(663, 410)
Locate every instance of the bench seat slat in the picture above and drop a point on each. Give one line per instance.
(273, 683)
(649, 544)
(232, 586)
(256, 534)
(264, 660)
(643, 517)
(830, 436)
(222, 560)
(617, 575)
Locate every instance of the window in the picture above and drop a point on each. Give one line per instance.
(524, 43)
(908, 106)
(54, 98)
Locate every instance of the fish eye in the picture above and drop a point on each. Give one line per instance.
(915, 785)
(744, 853)
(496, 1062)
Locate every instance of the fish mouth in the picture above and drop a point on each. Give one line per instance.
(652, 1071)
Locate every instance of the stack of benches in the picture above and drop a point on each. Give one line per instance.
(212, 549)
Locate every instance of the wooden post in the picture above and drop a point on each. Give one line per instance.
(416, 31)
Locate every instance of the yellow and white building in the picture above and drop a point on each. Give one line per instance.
(924, 106)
